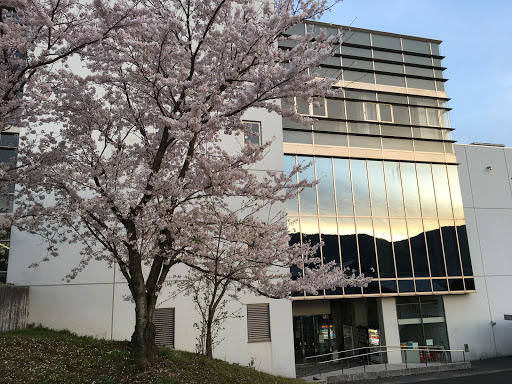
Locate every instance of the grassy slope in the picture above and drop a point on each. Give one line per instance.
(39, 355)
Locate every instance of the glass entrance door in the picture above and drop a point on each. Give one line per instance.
(313, 335)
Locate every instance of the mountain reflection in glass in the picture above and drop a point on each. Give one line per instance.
(387, 219)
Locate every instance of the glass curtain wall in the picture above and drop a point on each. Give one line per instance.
(401, 223)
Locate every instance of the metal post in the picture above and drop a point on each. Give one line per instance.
(405, 358)
(464, 355)
(426, 358)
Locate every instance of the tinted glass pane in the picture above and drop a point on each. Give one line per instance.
(350, 94)
(397, 81)
(377, 188)
(343, 187)
(388, 286)
(444, 206)
(402, 145)
(370, 111)
(292, 206)
(298, 29)
(423, 286)
(302, 107)
(427, 133)
(361, 52)
(354, 37)
(329, 231)
(365, 142)
(456, 284)
(453, 178)
(470, 284)
(418, 71)
(7, 155)
(464, 248)
(435, 49)
(386, 113)
(440, 285)
(392, 98)
(401, 114)
(426, 187)
(451, 251)
(366, 245)
(297, 137)
(428, 146)
(435, 249)
(330, 126)
(349, 63)
(335, 109)
(328, 139)
(437, 62)
(415, 100)
(384, 248)
(310, 233)
(355, 110)
(387, 55)
(255, 135)
(385, 67)
(421, 84)
(320, 109)
(394, 186)
(361, 77)
(360, 185)
(308, 195)
(417, 60)
(328, 73)
(406, 286)
(289, 123)
(440, 86)
(383, 41)
(401, 247)
(348, 243)
(432, 117)
(9, 140)
(416, 46)
(372, 288)
(364, 128)
(390, 130)
(412, 199)
(352, 290)
(419, 250)
(418, 116)
(325, 186)
(293, 231)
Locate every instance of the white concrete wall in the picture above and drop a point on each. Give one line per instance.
(487, 198)
(390, 324)
(94, 304)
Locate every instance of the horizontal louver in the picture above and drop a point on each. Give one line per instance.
(258, 322)
(163, 319)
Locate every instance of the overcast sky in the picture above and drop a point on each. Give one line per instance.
(477, 43)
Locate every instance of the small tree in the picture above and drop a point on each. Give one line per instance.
(139, 149)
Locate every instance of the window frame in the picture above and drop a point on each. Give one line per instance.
(428, 119)
(379, 117)
(258, 123)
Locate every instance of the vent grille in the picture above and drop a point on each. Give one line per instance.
(163, 319)
(258, 322)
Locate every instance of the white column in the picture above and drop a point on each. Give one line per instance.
(390, 324)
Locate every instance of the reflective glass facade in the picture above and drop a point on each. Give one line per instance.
(387, 205)
(400, 222)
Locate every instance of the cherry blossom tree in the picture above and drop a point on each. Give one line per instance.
(134, 167)
(36, 34)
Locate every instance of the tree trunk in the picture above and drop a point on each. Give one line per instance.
(143, 338)
(209, 339)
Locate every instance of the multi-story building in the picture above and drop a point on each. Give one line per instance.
(388, 204)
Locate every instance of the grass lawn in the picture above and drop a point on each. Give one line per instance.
(43, 356)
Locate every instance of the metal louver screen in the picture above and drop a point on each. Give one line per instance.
(258, 322)
(163, 319)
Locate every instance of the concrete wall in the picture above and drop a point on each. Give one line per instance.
(13, 307)
(487, 198)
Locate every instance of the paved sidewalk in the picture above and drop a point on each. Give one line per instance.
(481, 371)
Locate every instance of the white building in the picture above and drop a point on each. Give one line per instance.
(388, 200)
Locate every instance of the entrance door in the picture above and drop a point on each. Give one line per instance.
(314, 335)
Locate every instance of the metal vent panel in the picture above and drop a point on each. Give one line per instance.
(163, 319)
(258, 322)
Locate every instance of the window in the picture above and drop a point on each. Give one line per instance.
(252, 132)
(258, 322)
(310, 109)
(163, 319)
(378, 112)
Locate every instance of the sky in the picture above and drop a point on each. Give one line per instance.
(477, 45)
